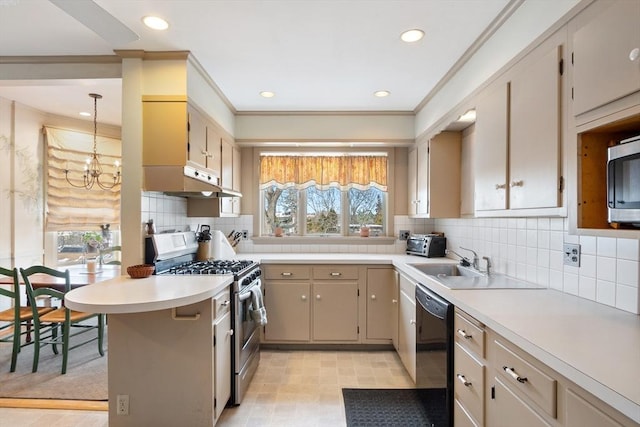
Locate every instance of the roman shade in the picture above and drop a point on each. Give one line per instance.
(69, 208)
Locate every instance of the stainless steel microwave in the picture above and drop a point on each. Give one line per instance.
(623, 182)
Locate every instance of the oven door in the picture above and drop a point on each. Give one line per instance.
(246, 327)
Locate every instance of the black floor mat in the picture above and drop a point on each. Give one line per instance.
(395, 407)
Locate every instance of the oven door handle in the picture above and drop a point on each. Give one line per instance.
(247, 294)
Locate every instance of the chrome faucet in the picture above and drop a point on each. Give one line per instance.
(464, 261)
(475, 263)
(486, 258)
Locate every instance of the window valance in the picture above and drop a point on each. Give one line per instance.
(71, 208)
(325, 171)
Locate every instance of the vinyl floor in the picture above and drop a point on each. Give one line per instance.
(290, 388)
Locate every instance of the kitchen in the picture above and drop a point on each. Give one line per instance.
(528, 248)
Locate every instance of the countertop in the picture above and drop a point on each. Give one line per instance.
(126, 295)
(594, 345)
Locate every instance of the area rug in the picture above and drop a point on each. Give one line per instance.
(86, 377)
(395, 407)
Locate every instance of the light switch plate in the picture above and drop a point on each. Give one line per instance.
(571, 254)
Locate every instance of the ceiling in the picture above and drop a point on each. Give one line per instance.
(316, 55)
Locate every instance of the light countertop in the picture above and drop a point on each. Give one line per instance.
(594, 345)
(126, 295)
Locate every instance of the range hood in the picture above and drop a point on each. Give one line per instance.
(185, 181)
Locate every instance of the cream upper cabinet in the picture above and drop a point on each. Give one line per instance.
(230, 157)
(534, 142)
(434, 177)
(518, 137)
(606, 54)
(491, 149)
(214, 140)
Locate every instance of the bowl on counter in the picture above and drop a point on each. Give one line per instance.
(140, 271)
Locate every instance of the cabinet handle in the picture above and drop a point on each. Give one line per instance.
(464, 334)
(226, 303)
(373, 297)
(518, 183)
(394, 301)
(412, 322)
(286, 274)
(335, 274)
(634, 54)
(501, 186)
(514, 375)
(176, 316)
(303, 298)
(463, 380)
(230, 332)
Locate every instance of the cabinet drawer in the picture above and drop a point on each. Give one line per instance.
(221, 303)
(469, 382)
(526, 378)
(336, 272)
(469, 334)
(286, 272)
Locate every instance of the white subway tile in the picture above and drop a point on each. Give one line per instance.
(606, 292)
(627, 272)
(542, 258)
(542, 277)
(557, 224)
(532, 223)
(555, 260)
(627, 298)
(544, 239)
(556, 240)
(587, 288)
(628, 249)
(607, 246)
(544, 224)
(588, 245)
(556, 279)
(570, 284)
(588, 265)
(606, 268)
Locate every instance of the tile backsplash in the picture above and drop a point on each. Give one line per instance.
(525, 248)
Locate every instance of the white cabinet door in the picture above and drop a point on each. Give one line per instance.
(222, 331)
(422, 180)
(491, 149)
(407, 331)
(412, 181)
(534, 143)
(603, 50)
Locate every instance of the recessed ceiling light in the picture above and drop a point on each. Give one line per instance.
(85, 114)
(267, 94)
(155, 23)
(411, 36)
(381, 93)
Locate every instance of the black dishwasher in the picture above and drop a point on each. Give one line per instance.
(434, 355)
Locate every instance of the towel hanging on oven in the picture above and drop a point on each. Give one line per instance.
(258, 312)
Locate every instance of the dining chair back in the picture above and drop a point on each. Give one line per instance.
(14, 318)
(58, 326)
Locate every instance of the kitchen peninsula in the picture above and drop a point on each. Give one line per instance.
(161, 355)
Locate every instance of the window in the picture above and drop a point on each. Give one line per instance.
(326, 195)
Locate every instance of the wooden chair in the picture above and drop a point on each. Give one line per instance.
(47, 326)
(15, 317)
(109, 253)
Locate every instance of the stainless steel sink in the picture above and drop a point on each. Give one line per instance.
(443, 270)
(454, 276)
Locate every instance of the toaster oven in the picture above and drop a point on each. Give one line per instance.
(623, 182)
(426, 245)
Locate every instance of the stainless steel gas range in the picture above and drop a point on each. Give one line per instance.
(175, 253)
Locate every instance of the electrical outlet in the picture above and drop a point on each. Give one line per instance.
(404, 234)
(571, 254)
(245, 234)
(122, 404)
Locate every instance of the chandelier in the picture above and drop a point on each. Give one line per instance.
(92, 168)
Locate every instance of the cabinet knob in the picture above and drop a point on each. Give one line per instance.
(412, 322)
(463, 380)
(501, 186)
(517, 183)
(634, 54)
(394, 301)
(373, 297)
(303, 297)
(318, 297)
(230, 332)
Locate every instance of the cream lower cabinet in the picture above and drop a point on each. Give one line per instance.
(522, 391)
(307, 304)
(407, 326)
(222, 352)
(382, 304)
